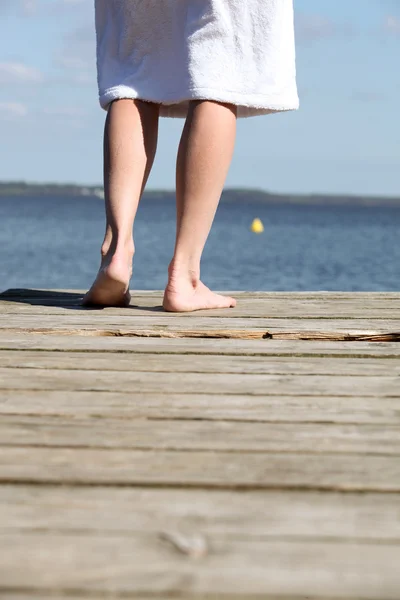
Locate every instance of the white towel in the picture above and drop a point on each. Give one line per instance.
(173, 51)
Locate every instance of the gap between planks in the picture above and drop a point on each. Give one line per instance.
(27, 593)
(114, 350)
(212, 334)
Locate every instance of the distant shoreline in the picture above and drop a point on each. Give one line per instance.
(21, 188)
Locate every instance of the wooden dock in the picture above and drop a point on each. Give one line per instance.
(245, 454)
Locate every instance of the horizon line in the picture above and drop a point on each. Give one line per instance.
(227, 188)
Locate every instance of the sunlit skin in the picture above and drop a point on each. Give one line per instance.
(204, 155)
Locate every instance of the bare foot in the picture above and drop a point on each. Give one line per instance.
(188, 298)
(111, 286)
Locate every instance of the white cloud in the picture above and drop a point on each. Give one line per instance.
(25, 8)
(15, 72)
(313, 27)
(64, 6)
(40, 8)
(65, 116)
(29, 7)
(392, 24)
(77, 63)
(368, 96)
(71, 2)
(13, 109)
(77, 55)
(54, 7)
(65, 111)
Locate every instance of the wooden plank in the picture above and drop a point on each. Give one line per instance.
(174, 595)
(213, 436)
(136, 405)
(305, 329)
(211, 347)
(89, 563)
(168, 363)
(224, 470)
(231, 334)
(72, 595)
(192, 383)
(210, 333)
(265, 307)
(295, 516)
(175, 322)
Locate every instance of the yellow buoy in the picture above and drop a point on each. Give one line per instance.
(257, 226)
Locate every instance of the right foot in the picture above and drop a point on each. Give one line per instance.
(187, 297)
(111, 286)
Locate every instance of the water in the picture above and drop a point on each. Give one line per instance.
(54, 243)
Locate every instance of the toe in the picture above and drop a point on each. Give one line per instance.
(232, 302)
(227, 302)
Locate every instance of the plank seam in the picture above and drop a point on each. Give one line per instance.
(189, 450)
(171, 352)
(192, 372)
(208, 316)
(197, 393)
(240, 487)
(85, 594)
(161, 418)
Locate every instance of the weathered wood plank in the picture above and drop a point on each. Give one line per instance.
(168, 363)
(231, 334)
(307, 516)
(72, 595)
(136, 405)
(190, 383)
(87, 563)
(174, 595)
(213, 436)
(266, 307)
(224, 470)
(95, 319)
(216, 327)
(211, 347)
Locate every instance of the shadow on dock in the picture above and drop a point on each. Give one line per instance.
(61, 299)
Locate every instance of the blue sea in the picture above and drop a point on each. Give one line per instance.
(54, 242)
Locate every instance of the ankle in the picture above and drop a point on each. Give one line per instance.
(104, 249)
(182, 273)
(120, 249)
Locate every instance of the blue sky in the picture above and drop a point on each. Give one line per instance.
(344, 139)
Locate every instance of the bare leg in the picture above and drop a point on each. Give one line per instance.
(130, 142)
(204, 156)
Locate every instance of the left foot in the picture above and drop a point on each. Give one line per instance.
(111, 286)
